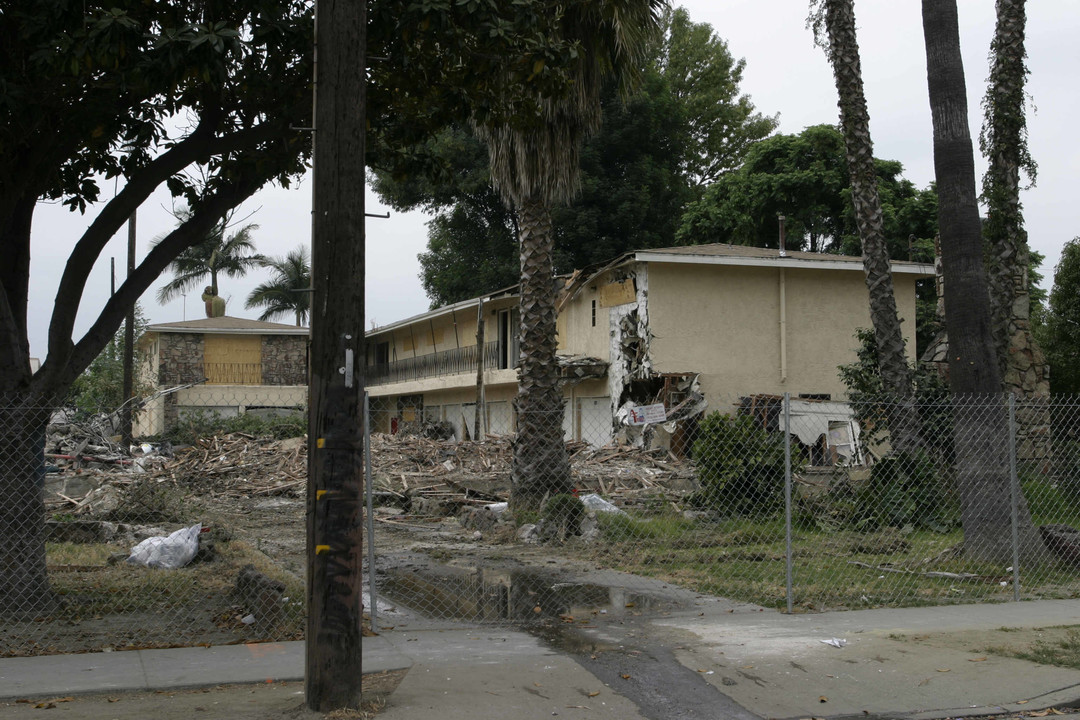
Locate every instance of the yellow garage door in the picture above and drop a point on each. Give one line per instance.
(233, 359)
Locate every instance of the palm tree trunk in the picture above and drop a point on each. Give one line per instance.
(540, 466)
(855, 124)
(980, 425)
(1021, 362)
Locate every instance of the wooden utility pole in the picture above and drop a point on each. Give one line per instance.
(129, 345)
(478, 420)
(336, 422)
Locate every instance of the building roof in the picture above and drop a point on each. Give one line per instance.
(723, 254)
(710, 254)
(228, 325)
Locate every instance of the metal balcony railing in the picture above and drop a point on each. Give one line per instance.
(447, 362)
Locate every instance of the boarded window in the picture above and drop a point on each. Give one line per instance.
(619, 293)
(233, 359)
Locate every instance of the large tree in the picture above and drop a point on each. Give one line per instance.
(144, 92)
(842, 47)
(805, 178)
(705, 80)
(534, 166)
(213, 100)
(980, 426)
(687, 120)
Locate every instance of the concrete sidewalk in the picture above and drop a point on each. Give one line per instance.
(771, 664)
(779, 665)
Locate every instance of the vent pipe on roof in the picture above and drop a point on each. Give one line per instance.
(783, 249)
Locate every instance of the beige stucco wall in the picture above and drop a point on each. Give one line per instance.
(211, 396)
(724, 321)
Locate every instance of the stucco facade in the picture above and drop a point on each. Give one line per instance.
(696, 328)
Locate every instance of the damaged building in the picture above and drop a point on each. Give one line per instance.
(648, 343)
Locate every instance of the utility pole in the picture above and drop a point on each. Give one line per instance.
(129, 344)
(336, 422)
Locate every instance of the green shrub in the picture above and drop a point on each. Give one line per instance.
(739, 465)
(1067, 470)
(201, 423)
(562, 515)
(904, 489)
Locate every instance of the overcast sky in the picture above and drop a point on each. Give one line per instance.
(784, 74)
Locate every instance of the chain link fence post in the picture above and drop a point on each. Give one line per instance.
(370, 488)
(1014, 493)
(787, 502)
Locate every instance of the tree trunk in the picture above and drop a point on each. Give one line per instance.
(1021, 362)
(24, 583)
(540, 466)
(855, 124)
(980, 426)
(336, 419)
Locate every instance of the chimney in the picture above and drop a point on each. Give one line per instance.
(783, 249)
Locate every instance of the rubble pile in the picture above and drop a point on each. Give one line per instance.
(420, 475)
(240, 465)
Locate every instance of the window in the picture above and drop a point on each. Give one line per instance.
(232, 359)
(509, 321)
(594, 313)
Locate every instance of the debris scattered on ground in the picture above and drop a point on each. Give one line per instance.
(417, 474)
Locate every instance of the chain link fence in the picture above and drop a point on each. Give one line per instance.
(799, 504)
(190, 533)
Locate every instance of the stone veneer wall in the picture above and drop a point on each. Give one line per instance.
(284, 360)
(181, 362)
(181, 359)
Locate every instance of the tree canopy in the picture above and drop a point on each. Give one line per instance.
(804, 177)
(1059, 332)
(288, 291)
(213, 100)
(220, 252)
(637, 174)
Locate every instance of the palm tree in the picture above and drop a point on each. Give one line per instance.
(233, 255)
(980, 425)
(842, 47)
(535, 166)
(1004, 142)
(289, 289)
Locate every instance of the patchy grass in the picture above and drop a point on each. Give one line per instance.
(744, 559)
(1061, 648)
(113, 603)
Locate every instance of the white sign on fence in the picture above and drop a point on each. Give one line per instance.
(648, 414)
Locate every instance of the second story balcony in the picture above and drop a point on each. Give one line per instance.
(448, 362)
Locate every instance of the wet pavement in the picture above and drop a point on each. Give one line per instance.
(678, 656)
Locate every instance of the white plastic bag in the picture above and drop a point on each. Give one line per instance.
(174, 551)
(598, 504)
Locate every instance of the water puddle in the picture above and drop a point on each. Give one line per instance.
(520, 596)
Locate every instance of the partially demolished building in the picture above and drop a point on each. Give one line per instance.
(647, 343)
